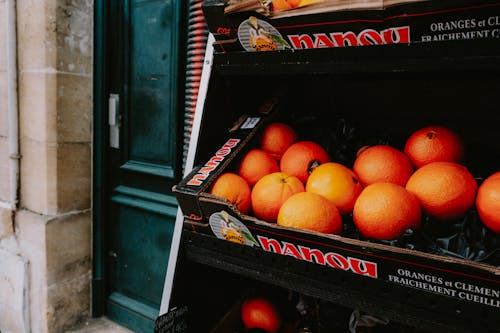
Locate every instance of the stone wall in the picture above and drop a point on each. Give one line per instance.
(45, 245)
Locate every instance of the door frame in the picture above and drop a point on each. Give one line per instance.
(99, 161)
(100, 135)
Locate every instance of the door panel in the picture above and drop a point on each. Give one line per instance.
(142, 229)
(145, 230)
(143, 70)
(151, 84)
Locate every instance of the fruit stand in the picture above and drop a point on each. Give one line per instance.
(439, 277)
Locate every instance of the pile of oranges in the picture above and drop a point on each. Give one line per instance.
(386, 191)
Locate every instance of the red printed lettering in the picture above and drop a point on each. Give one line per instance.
(345, 38)
(370, 37)
(394, 35)
(291, 250)
(331, 259)
(399, 35)
(322, 41)
(205, 171)
(269, 244)
(312, 255)
(363, 267)
(224, 31)
(335, 260)
(302, 41)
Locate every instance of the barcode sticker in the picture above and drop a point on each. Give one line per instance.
(250, 122)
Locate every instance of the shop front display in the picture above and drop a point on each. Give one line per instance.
(377, 190)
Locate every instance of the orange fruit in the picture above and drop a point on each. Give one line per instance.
(446, 190)
(301, 158)
(380, 164)
(260, 313)
(385, 210)
(434, 144)
(337, 183)
(276, 138)
(310, 211)
(271, 191)
(488, 202)
(280, 5)
(294, 3)
(233, 188)
(256, 164)
(308, 2)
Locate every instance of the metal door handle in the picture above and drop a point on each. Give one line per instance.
(114, 120)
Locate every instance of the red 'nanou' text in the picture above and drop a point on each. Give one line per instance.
(214, 161)
(394, 35)
(331, 259)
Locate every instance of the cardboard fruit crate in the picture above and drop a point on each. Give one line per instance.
(474, 285)
(334, 24)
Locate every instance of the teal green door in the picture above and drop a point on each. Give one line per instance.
(143, 155)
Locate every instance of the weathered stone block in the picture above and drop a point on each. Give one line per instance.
(58, 248)
(68, 303)
(30, 232)
(6, 228)
(38, 106)
(74, 176)
(65, 261)
(36, 35)
(68, 270)
(13, 291)
(74, 37)
(74, 105)
(38, 176)
(55, 177)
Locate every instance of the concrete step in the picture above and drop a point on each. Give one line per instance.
(99, 325)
